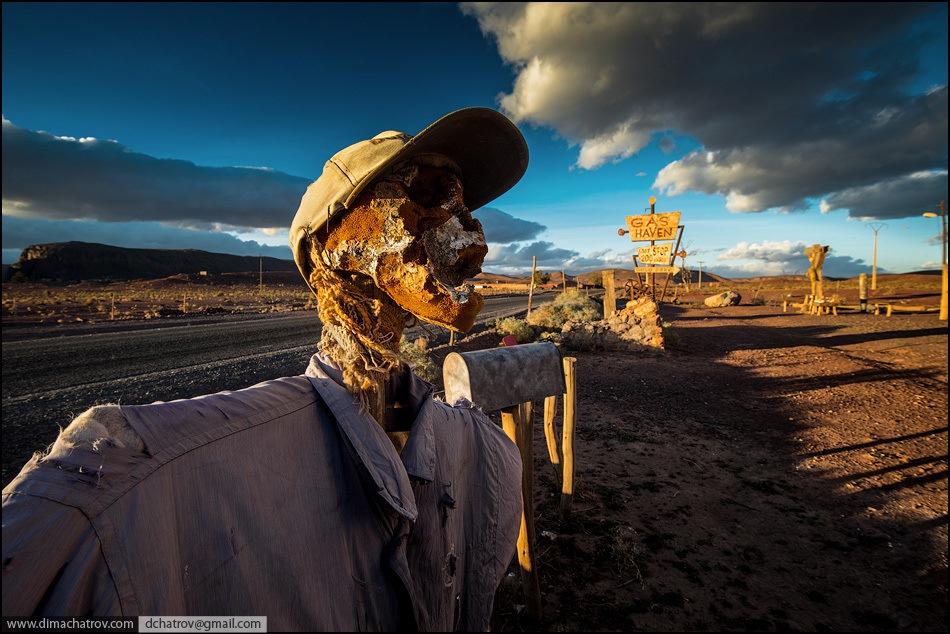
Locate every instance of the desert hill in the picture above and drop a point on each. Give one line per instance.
(65, 262)
(70, 262)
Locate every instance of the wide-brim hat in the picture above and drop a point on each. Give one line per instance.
(487, 148)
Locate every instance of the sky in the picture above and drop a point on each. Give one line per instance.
(770, 127)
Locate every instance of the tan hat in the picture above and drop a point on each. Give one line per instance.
(484, 144)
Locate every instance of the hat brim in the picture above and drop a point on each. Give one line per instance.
(487, 147)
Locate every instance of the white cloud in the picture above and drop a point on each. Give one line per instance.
(767, 251)
(787, 110)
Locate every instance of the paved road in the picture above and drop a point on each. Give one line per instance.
(49, 380)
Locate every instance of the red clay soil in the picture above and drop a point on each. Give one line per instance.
(767, 471)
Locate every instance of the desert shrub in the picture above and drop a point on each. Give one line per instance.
(581, 341)
(514, 326)
(569, 306)
(671, 338)
(416, 354)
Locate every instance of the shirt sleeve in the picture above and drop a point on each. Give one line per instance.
(52, 561)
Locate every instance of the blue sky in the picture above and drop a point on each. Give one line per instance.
(769, 126)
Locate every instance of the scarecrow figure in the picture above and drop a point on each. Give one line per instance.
(347, 498)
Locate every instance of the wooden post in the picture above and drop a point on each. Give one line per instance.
(517, 424)
(610, 299)
(567, 440)
(534, 266)
(943, 286)
(863, 292)
(550, 434)
(652, 242)
(563, 281)
(672, 261)
(112, 313)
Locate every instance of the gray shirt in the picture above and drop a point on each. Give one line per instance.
(279, 500)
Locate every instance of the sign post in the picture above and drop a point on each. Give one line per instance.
(651, 228)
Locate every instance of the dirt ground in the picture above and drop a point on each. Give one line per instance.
(766, 471)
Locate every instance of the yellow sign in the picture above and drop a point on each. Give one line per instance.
(655, 253)
(672, 270)
(653, 226)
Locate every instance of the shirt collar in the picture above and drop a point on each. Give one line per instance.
(389, 470)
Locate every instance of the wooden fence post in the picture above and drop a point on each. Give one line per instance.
(550, 434)
(567, 439)
(517, 423)
(610, 298)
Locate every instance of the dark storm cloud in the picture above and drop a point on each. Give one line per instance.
(503, 228)
(45, 176)
(514, 259)
(19, 233)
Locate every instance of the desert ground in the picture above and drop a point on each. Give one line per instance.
(767, 470)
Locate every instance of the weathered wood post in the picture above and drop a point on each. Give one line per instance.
(550, 434)
(610, 298)
(863, 292)
(517, 424)
(534, 266)
(567, 439)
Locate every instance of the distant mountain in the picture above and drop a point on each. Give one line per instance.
(84, 261)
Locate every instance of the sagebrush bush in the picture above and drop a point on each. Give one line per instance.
(514, 326)
(569, 306)
(416, 354)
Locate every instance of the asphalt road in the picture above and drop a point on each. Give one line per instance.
(51, 378)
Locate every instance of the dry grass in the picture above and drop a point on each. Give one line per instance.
(185, 295)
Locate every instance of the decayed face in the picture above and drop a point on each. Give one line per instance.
(413, 235)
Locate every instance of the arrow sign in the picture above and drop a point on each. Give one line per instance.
(672, 270)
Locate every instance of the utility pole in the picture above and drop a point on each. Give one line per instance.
(700, 275)
(262, 273)
(534, 267)
(875, 226)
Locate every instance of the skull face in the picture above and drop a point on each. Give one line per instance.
(413, 235)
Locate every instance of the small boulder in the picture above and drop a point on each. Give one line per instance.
(729, 298)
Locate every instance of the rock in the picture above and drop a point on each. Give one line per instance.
(729, 298)
(635, 328)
